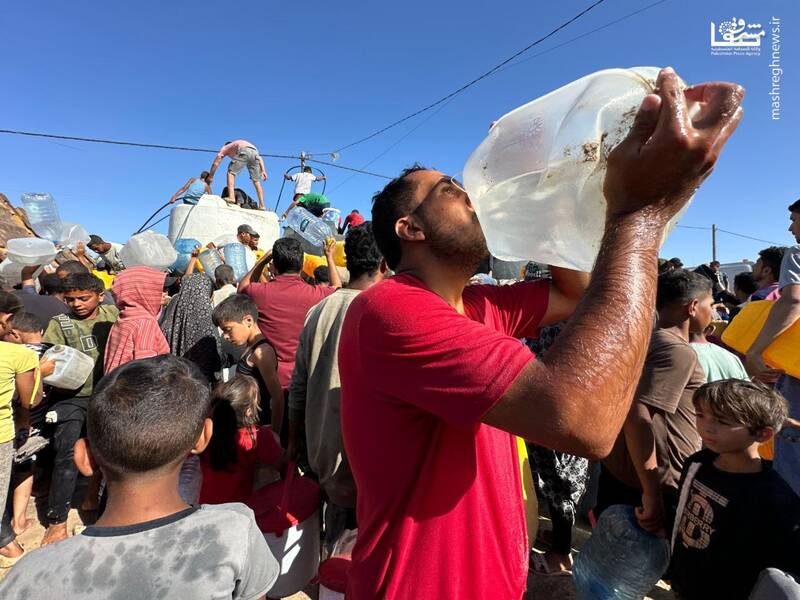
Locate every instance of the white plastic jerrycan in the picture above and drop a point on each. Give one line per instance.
(536, 181)
(148, 249)
(72, 368)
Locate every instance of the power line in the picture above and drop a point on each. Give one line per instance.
(694, 227)
(741, 235)
(470, 83)
(510, 66)
(53, 136)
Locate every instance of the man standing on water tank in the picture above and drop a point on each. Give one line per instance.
(241, 153)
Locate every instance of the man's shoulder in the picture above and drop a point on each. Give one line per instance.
(233, 511)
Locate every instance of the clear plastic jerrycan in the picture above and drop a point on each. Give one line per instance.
(43, 216)
(536, 181)
(148, 249)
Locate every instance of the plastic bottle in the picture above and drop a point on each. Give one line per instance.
(333, 218)
(235, 257)
(536, 181)
(148, 249)
(210, 259)
(30, 251)
(11, 271)
(620, 561)
(184, 248)
(72, 368)
(43, 215)
(313, 229)
(72, 234)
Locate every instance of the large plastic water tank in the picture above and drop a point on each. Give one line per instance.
(212, 217)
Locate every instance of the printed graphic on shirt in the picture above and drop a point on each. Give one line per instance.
(88, 342)
(698, 515)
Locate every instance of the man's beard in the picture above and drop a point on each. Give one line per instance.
(462, 248)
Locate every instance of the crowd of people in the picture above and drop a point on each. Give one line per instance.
(403, 389)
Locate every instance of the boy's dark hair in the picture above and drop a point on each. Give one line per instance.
(71, 267)
(748, 403)
(355, 210)
(307, 170)
(83, 282)
(745, 282)
(52, 284)
(390, 204)
(224, 275)
(361, 250)
(795, 206)
(287, 256)
(94, 240)
(234, 309)
(772, 257)
(321, 275)
(680, 286)
(146, 414)
(27, 322)
(204, 175)
(10, 304)
(714, 262)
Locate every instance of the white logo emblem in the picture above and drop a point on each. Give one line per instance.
(736, 36)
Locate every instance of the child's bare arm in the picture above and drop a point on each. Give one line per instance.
(267, 363)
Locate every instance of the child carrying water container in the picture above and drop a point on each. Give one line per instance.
(736, 516)
(238, 444)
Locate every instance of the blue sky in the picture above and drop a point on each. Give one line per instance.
(315, 76)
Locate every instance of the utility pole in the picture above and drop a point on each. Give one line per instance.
(713, 242)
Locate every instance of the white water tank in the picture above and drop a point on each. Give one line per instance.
(212, 217)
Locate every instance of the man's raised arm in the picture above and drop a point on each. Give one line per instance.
(576, 397)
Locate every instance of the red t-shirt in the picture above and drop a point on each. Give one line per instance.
(235, 484)
(440, 512)
(354, 220)
(282, 308)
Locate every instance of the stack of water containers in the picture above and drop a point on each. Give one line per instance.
(148, 249)
(25, 252)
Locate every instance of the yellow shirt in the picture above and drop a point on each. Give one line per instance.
(259, 253)
(14, 358)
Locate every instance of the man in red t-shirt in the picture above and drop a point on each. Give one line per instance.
(354, 219)
(434, 381)
(284, 302)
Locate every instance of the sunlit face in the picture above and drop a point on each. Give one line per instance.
(794, 225)
(238, 333)
(701, 313)
(83, 303)
(449, 221)
(721, 434)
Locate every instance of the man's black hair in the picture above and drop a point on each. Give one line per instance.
(772, 257)
(95, 240)
(321, 275)
(745, 282)
(52, 284)
(287, 256)
(795, 206)
(224, 275)
(676, 262)
(27, 322)
(204, 175)
(307, 170)
(714, 262)
(361, 250)
(83, 282)
(234, 309)
(355, 210)
(10, 304)
(146, 414)
(393, 202)
(71, 267)
(679, 287)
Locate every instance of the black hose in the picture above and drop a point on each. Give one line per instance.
(147, 222)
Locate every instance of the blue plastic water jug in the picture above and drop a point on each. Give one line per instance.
(620, 561)
(235, 257)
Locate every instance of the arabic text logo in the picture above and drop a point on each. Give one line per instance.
(736, 36)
